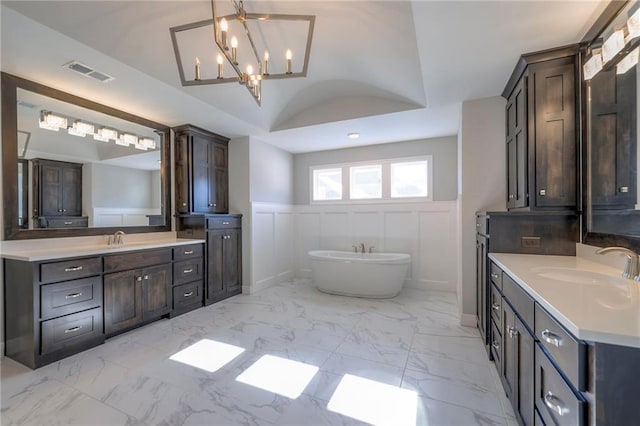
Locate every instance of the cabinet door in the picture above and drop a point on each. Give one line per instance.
(215, 283)
(202, 174)
(50, 189)
(220, 182)
(509, 351)
(613, 147)
(525, 398)
(122, 300)
(517, 147)
(71, 192)
(232, 261)
(481, 288)
(183, 202)
(156, 291)
(553, 88)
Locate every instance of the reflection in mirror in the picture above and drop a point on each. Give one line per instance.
(613, 198)
(82, 168)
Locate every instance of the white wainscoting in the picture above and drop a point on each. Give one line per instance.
(272, 245)
(283, 234)
(109, 216)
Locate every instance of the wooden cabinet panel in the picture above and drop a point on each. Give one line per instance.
(509, 351)
(555, 136)
(182, 174)
(156, 291)
(70, 269)
(224, 262)
(481, 289)
(187, 296)
(202, 185)
(614, 140)
(122, 300)
(232, 263)
(524, 401)
(138, 259)
(191, 251)
(74, 329)
(59, 188)
(187, 270)
(71, 193)
(50, 187)
(70, 296)
(215, 282)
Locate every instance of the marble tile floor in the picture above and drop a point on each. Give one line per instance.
(414, 364)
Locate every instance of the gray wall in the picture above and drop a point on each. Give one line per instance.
(443, 150)
(114, 186)
(271, 173)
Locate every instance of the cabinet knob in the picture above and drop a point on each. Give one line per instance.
(542, 192)
(511, 196)
(495, 276)
(495, 345)
(513, 332)
(495, 306)
(623, 189)
(184, 204)
(146, 277)
(554, 403)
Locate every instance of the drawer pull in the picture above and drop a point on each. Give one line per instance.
(188, 252)
(73, 295)
(551, 338)
(495, 306)
(73, 329)
(225, 223)
(68, 223)
(513, 332)
(554, 404)
(495, 345)
(73, 269)
(188, 294)
(187, 271)
(624, 189)
(495, 276)
(146, 277)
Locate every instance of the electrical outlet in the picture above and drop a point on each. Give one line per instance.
(531, 242)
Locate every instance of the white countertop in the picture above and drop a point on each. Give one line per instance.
(600, 307)
(75, 248)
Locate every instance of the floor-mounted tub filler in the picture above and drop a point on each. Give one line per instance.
(377, 275)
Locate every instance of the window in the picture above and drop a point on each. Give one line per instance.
(366, 182)
(382, 180)
(409, 179)
(327, 184)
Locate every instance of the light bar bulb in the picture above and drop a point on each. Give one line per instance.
(105, 134)
(592, 67)
(633, 25)
(628, 62)
(51, 121)
(613, 45)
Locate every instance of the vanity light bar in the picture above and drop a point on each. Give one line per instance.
(53, 121)
(592, 67)
(633, 25)
(613, 46)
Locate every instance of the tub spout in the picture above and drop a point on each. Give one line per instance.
(362, 248)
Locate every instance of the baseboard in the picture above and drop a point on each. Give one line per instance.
(268, 282)
(468, 320)
(429, 285)
(304, 273)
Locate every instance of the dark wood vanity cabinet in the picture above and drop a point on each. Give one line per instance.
(188, 278)
(134, 296)
(541, 134)
(223, 234)
(201, 171)
(53, 309)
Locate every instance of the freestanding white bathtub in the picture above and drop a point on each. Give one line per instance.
(376, 275)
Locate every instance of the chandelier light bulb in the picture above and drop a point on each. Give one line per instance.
(289, 56)
(219, 61)
(234, 50)
(224, 27)
(266, 62)
(234, 42)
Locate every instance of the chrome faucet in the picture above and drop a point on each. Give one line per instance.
(116, 238)
(361, 247)
(631, 268)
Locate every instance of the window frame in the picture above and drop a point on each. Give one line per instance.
(386, 181)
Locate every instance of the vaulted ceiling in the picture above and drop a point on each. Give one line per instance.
(392, 71)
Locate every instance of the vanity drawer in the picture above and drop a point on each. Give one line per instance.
(74, 329)
(223, 222)
(554, 399)
(70, 296)
(187, 271)
(495, 304)
(496, 275)
(565, 350)
(187, 295)
(521, 302)
(137, 259)
(187, 252)
(496, 346)
(66, 222)
(70, 269)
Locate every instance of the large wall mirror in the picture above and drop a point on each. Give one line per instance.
(73, 167)
(611, 88)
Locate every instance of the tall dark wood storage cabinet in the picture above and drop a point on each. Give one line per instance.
(541, 131)
(202, 183)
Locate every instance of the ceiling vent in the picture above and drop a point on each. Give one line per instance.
(89, 72)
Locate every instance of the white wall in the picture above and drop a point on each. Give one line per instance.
(114, 186)
(239, 196)
(482, 185)
(443, 151)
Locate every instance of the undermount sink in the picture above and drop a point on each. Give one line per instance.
(578, 276)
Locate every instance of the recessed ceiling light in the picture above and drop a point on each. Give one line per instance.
(353, 135)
